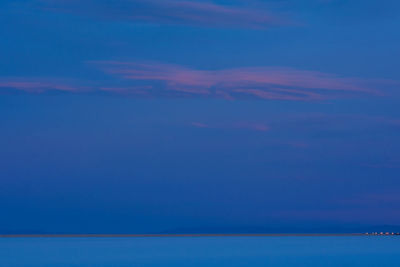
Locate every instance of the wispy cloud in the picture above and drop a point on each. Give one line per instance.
(39, 86)
(180, 12)
(257, 82)
(260, 127)
(200, 125)
(156, 80)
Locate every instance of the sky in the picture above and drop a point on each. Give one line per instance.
(142, 116)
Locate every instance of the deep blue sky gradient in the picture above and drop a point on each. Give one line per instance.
(84, 148)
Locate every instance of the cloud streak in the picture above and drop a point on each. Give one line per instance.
(176, 12)
(39, 86)
(259, 82)
(157, 80)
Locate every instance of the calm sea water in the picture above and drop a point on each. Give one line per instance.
(201, 251)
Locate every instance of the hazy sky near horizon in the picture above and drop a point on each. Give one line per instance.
(146, 115)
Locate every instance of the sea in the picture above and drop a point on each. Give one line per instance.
(253, 251)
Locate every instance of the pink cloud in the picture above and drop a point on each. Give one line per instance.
(259, 127)
(181, 12)
(142, 91)
(155, 80)
(200, 125)
(258, 82)
(36, 86)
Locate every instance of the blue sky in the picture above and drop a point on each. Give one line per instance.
(144, 116)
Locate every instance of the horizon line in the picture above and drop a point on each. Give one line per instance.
(189, 235)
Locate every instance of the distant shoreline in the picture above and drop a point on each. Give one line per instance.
(178, 235)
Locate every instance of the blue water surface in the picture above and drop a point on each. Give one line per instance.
(201, 251)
